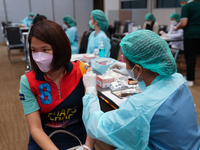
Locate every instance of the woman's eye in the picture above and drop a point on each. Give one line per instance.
(33, 50)
(45, 50)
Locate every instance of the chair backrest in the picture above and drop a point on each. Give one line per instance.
(126, 26)
(13, 35)
(84, 42)
(174, 53)
(114, 51)
(116, 26)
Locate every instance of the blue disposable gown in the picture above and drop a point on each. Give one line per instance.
(72, 34)
(27, 21)
(94, 41)
(163, 117)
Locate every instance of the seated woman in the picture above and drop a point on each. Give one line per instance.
(175, 21)
(52, 92)
(100, 23)
(151, 23)
(72, 33)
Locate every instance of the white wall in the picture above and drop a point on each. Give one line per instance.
(2, 17)
(83, 10)
(42, 7)
(17, 10)
(111, 10)
(62, 8)
(162, 15)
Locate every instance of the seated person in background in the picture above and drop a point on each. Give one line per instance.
(28, 20)
(38, 18)
(151, 23)
(100, 23)
(72, 33)
(175, 21)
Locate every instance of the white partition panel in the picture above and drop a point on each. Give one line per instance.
(62, 8)
(42, 7)
(83, 10)
(17, 10)
(2, 17)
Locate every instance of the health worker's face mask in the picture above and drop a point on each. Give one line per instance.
(173, 22)
(141, 84)
(43, 61)
(131, 74)
(148, 22)
(91, 26)
(30, 18)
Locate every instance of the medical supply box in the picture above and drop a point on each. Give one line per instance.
(104, 81)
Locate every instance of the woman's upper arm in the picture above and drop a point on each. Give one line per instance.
(28, 99)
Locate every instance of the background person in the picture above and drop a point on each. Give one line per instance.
(150, 23)
(190, 23)
(28, 20)
(163, 116)
(52, 92)
(72, 33)
(100, 24)
(175, 21)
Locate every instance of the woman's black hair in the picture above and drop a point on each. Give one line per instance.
(38, 18)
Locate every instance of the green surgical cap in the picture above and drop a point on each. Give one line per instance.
(150, 16)
(175, 16)
(147, 49)
(68, 19)
(100, 17)
(31, 14)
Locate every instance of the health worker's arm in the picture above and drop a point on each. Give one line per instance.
(89, 142)
(124, 128)
(31, 110)
(184, 18)
(183, 24)
(176, 35)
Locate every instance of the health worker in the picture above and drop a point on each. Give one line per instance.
(151, 23)
(172, 34)
(100, 24)
(72, 33)
(28, 20)
(163, 116)
(190, 23)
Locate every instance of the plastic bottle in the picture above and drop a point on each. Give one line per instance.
(122, 59)
(102, 50)
(96, 51)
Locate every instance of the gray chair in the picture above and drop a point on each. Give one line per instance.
(13, 39)
(115, 48)
(174, 53)
(3, 28)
